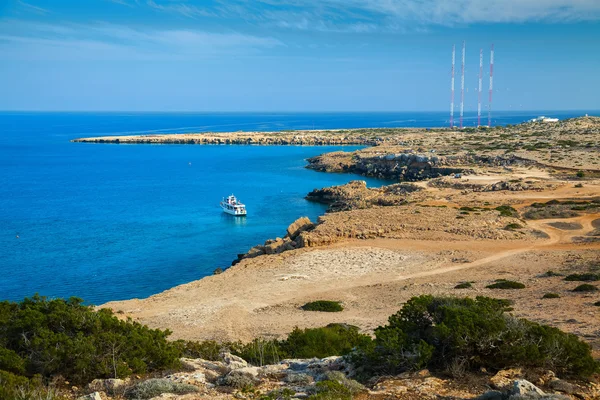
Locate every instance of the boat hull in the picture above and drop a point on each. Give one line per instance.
(235, 213)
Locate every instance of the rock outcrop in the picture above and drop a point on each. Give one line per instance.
(356, 195)
(279, 245)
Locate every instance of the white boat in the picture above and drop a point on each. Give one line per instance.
(233, 206)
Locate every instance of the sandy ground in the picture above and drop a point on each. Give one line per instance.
(372, 278)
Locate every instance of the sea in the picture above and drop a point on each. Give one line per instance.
(112, 221)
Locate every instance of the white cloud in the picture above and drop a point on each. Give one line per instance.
(404, 15)
(24, 40)
(483, 11)
(32, 8)
(181, 8)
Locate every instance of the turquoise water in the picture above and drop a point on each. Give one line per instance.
(108, 222)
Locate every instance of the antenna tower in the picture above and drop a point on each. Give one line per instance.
(452, 89)
(479, 92)
(462, 87)
(491, 86)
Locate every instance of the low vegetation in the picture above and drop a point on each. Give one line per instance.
(464, 285)
(551, 273)
(588, 277)
(436, 333)
(551, 296)
(155, 387)
(512, 227)
(64, 337)
(504, 284)
(586, 287)
(44, 339)
(323, 305)
(507, 211)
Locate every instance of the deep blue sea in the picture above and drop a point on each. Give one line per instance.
(109, 222)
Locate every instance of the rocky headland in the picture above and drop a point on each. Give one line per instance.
(465, 211)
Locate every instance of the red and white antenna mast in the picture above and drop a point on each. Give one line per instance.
(452, 89)
(491, 86)
(462, 87)
(479, 93)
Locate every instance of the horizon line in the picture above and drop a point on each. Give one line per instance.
(283, 111)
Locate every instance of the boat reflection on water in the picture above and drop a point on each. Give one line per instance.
(232, 220)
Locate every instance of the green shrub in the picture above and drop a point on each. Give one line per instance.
(551, 273)
(580, 174)
(507, 211)
(512, 227)
(464, 285)
(504, 284)
(588, 277)
(155, 387)
(323, 305)
(437, 332)
(14, 387)
(331, 390)
(64, 337)
(261, 351)
(597, 304)
(586, 287)
(208, 349)
(332, 340)
(551, 296)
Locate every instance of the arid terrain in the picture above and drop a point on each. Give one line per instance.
(491, 222)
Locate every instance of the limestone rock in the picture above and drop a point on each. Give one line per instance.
(298, 226)
(233, 361)
(91, 396)
(504, 379)
(562, 386)
(106, 385)
(525, 388)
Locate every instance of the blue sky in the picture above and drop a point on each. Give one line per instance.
(295, 55)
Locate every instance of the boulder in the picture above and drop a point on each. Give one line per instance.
(250, 372)
(563, 386)
(233, 362)
(297, 227)
(106, 385)
(504, 379)
(525, 389)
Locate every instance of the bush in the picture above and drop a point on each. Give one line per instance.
(332, 340)
(238, 381)
(323, 305)
(208, 349)
(589, 277)
(507, 211)
(64, 337)
(261, 351)
(551, 296)
(580, 174)
(504, 284)
(464, 285)
(597, 304)
(512, 227)
(551, 273)
(438, 332)
(14, 387)
(586, 287)
(155, 387)
(331, 390)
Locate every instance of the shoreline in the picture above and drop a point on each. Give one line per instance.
(383, 245)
